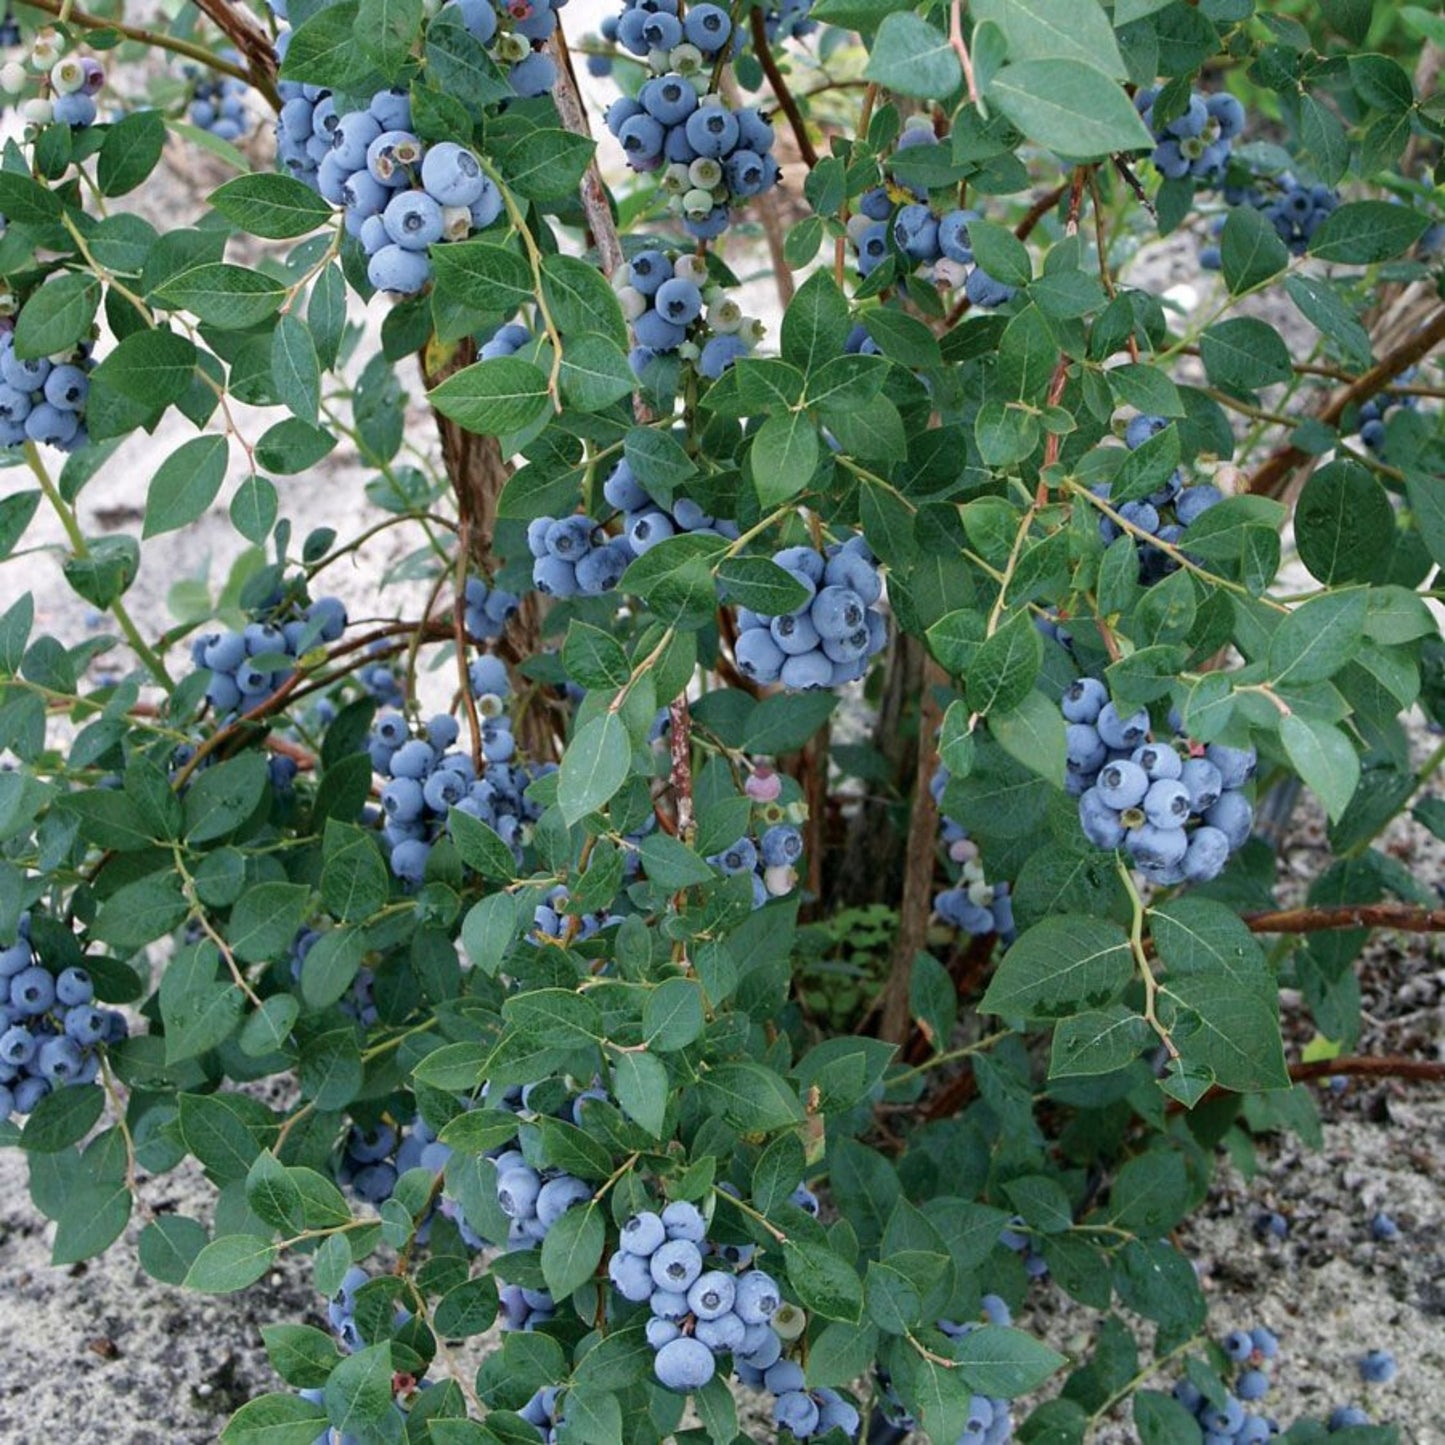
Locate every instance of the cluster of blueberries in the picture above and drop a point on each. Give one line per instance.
(1197, 143)
(550, 918)
(1166, 513)
(426, 776)
(664, 297)
(830, 638)
(1233, 1417)
(65, 86)
(770, 860)
(218, 102)
(369, 1163)
(990, 1420)
(697, 1313)
(487, 610)
(400, 194)
(973, 903)
(246, 667)
(576, 555)
(42, 399)
(1293, 207)
(709, 155)
(785, 21)
(1374, 413)
(49, 1027)
(921, 235)
(1177, 810)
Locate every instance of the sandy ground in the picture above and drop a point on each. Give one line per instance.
(101, 1353)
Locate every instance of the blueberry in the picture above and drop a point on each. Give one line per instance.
(1233, 816)
(1378, 1367)
(1252, 1385)
(396, 269)
(517, 1192)
(676, 1264)
(1236, 765)
(684, 1364)
(793, 1410)
(558, 1196)
(1122, 732)
(953, 235)
(711, 1295)
(756, 1298)
(1238, 1345)
(32, 991)
(758, 657)
(647, 530)
(554, 578)
(1083, 700)
(712, 130)
(1156, 847)
(781, 844)
(1205, 858)
(982, 290)
(836, 611)
(1166, 804)
(1124, 784)
(413, 219)
(1204, 782)
(630, 1276)
(1084, 750)
(643, 1234)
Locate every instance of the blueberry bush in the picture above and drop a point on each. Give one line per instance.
(777, 877)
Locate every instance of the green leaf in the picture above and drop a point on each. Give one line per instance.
(1074, 110)
(825, 1283)
(594, 767)
(1344, 523)
(572, 1249)
(998, 1361)
(268, 1027)
(168, 1246)
(1363, 232)
(57, 315)
(911, 57)
(1318, 638)
(295, 367)
(62, 1118)
(223, 797)
(129, 152)
(92, 1218)
(493, 398)
(1244, 354)
(229, 297)
(153, 367)
(1062, 965)
(1001, 254)
(783, 457)
(544, 165)
(302, 1355)
(1323, 306)
(1324, 758)
(1034, 733)
(1250, 250)
(480, 847)
(640, 1082)
(673, 1015)
(1005, 666)
(750, 1096)
(230, 1263)
(488, 930)
(276, 207)
(274, 1194)
(815, 325)
(355, 880)
(16, 513)
(483, 275)
(264, 922)
(385, 30)
(595, 372)
(199, 1009)
(185, 484)
(358, 1394)
(1055, 30)
(760, 584)
(1098, 1041)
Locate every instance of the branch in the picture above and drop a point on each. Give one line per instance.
(960, 49)
(917, 903)
(595, 204)
(1403, 917)
(154, 38)
(680, 742)
(249, 37)
(780, 90)
(1389, 1067)
(1272, 477)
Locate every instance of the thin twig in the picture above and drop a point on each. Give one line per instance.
(785, 98)
(960, 48)
(1403, 917)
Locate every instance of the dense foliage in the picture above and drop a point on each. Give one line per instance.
(769, 883)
